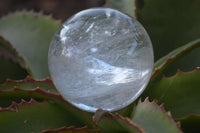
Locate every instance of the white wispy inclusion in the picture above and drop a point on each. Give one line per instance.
(63, 32)
(115, 75)
(134, 45)
(89, 28)
(66, 52)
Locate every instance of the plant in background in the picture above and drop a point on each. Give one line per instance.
(30, 102)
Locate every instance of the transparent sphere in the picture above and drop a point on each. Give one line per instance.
(100, 58)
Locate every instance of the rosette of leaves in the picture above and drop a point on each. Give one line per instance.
(30, 103)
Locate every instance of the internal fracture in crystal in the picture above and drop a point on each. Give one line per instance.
(100, 58)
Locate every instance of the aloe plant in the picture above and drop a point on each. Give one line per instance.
(170, 104)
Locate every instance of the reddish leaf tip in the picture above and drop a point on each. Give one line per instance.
(179, 71)
(162, 106)
(146, 99)
(8, 80)
(156, 101)
(169, 114)
(16, 88)
(59, 94)
(140, 100)
(178, 124)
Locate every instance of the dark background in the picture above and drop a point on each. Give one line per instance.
(60, 9)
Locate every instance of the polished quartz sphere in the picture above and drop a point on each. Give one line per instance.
(100, 58)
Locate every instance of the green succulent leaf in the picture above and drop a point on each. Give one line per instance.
(35, 116)
(160, 66)
(73, 116)
(11, 70)
(126, 6)
(30, 34)
(9, 52)
(163, 63)
(30, 84)
(168, 22)
(190, 124)
(12, 65)
(110, 123)
(72, 130)
(153, 118)
(171, 24)
(179, 93)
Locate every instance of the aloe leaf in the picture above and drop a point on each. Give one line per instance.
(29, 83)
(190, 124)
(110, 123)
(171, 24)
(153, 118)
(11, 70)
(35, 116)
(72, 130)
(74, 116)
(30, 34)
(179, 93)
(11, 52)
(163, 63)
(12, 65)
(126, 6)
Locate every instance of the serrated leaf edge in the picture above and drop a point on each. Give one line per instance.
(72, 128)
(35, 13)
(48, 94)
(158, 71)
(179, 72)
(28, 79)
(162, 108)
(14, 106)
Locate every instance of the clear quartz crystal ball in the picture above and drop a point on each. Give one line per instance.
(101, 58)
